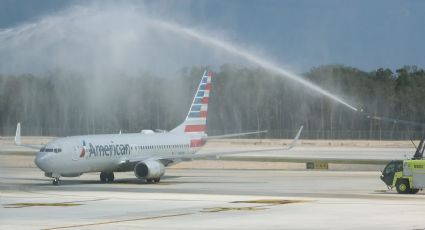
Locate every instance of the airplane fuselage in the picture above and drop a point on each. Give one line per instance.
(72, 156)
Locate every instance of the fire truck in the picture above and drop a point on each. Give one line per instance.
(407, 176)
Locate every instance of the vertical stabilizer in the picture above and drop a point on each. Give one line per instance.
(195, 123)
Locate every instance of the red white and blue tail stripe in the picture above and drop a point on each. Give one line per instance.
(195, 123)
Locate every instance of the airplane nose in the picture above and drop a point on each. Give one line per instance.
(40, 161)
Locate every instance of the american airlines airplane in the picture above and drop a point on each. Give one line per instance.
(146, 153)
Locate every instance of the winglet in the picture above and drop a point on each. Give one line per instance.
(297, 137)
(18, 134)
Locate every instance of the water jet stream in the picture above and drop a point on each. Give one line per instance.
(247, 56)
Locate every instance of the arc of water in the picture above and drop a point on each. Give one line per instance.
(247, 56)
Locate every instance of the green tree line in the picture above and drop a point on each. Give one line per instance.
(242, 99)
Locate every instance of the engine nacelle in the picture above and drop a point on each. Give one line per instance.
(149, 170)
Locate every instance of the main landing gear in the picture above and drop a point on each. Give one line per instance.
(56, 181)
(107, 177)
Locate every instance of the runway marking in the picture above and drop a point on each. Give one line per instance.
(120, 221)
(265, 203)
(271, 202)
(24, 205)
(58, 204)
(224, 209)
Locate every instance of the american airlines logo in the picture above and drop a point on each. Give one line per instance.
(106, 150)
(83, 149)
(83, 152)
(109, 150)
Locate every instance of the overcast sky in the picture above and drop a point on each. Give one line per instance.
(298, 33)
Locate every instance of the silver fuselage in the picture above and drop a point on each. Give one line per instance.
(73, 156)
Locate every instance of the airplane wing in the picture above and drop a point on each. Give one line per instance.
(18, 139)
(217, 154)
(169, 160)
(235, 135)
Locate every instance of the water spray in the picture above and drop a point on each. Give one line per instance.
(391, 120)
(270, 66)
(247, 56)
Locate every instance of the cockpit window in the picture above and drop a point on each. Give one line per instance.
(50, 150)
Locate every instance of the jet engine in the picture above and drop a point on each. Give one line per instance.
(149, 170)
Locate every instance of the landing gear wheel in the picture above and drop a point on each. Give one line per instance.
(157, 180)
(149, 181)
(414, 191)
(103, 177)
(110, 177)
(56, 181)
(107, 177)
(403, 186)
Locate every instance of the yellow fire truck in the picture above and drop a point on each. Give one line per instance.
(407, 176)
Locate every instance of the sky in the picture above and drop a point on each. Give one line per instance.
(300, 34)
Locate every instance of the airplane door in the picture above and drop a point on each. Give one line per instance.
(76, 153)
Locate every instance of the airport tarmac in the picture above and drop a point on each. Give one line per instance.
(253, 191)
(225, 195)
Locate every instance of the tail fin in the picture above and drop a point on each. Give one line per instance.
(196, 119)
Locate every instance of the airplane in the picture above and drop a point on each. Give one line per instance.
(146, 153)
